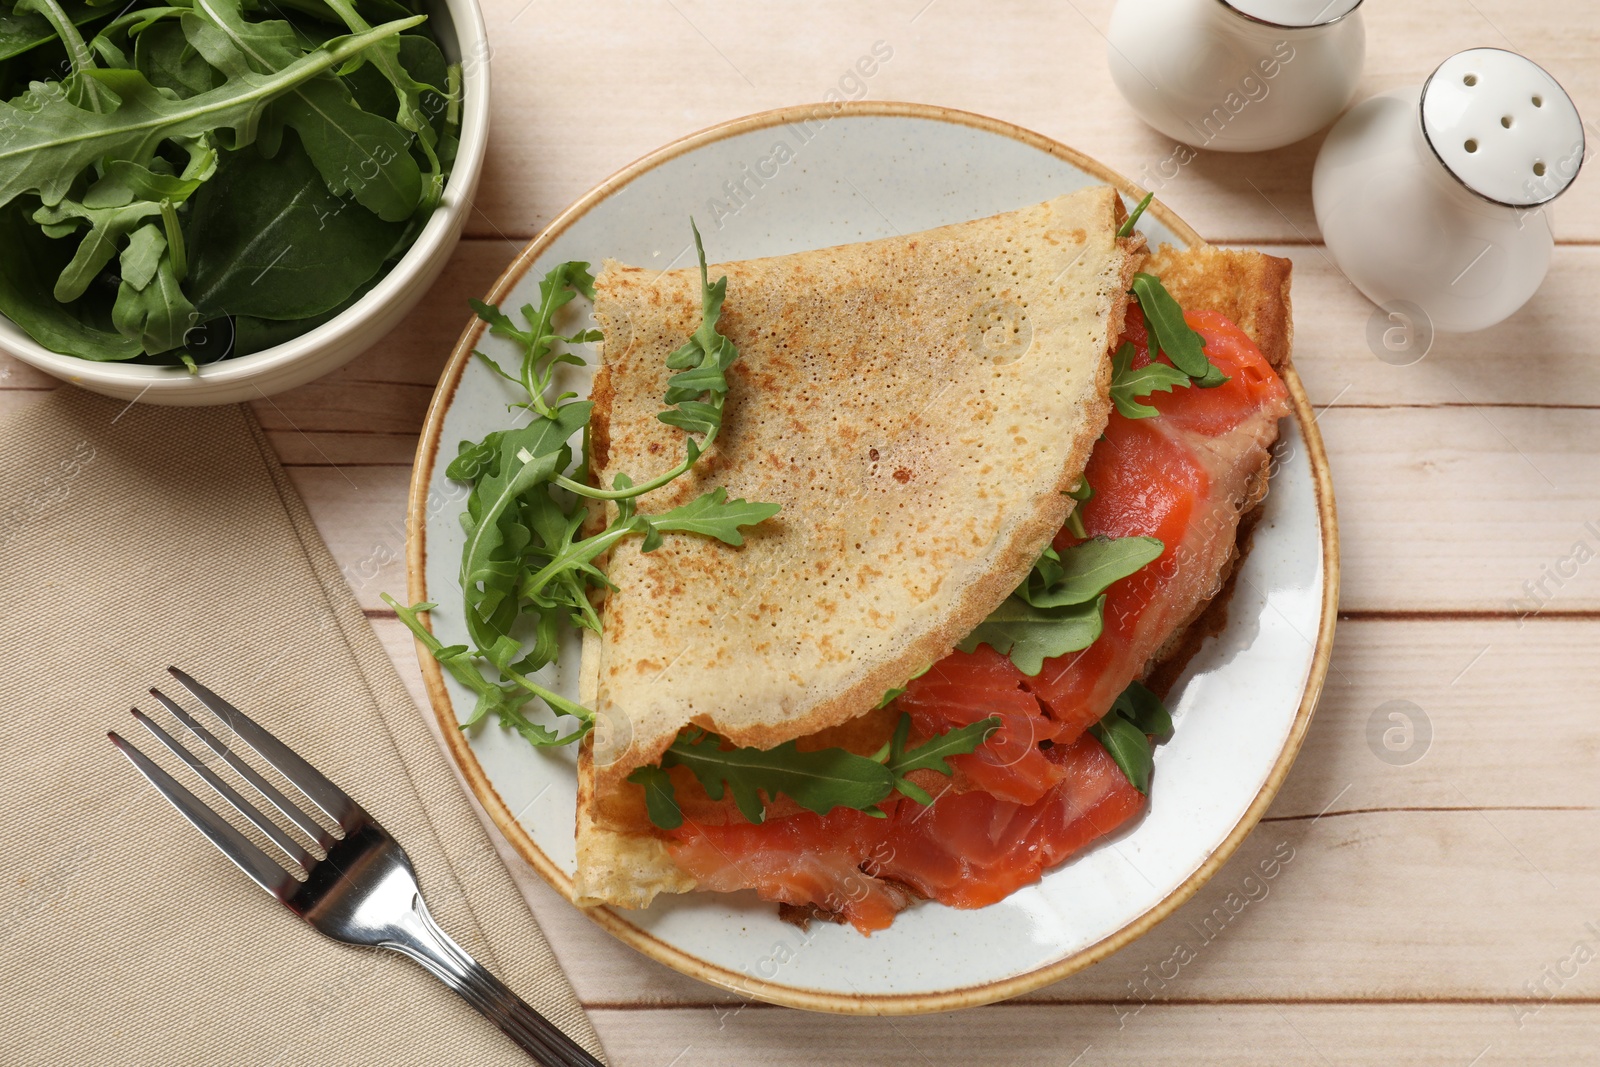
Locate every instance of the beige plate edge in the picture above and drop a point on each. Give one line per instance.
(620, 927)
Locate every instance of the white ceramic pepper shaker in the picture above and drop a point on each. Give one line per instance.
(1237, 75)
(1437, 196)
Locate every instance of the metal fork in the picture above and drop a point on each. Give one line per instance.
(363, 893)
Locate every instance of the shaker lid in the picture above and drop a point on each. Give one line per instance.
(1295, 14)
(1503, 126)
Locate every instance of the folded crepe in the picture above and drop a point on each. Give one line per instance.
(918, 405)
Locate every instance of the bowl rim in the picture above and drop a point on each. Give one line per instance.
(662, 952)
(435, 238)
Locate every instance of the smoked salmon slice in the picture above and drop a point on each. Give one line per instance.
(1186, 476)
(1041, 788)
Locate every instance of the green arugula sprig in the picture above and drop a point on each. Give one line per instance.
(526, 570)
(1126, 229)
(1083, 492)
(1169, 335)
(696, 393)
(1059, 608)
(818, 781)
(1125, 731)
(539, 362)
(1129, 385)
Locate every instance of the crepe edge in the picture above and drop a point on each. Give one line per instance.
(1251, 289)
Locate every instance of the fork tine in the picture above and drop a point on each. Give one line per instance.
(290, 809)
(234, 845)
(310, 781)
(290, 846)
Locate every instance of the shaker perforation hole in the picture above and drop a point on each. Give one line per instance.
(1470, 79)
(1538, 169)
(1538, 101)
(1471, 145)
(1506, 121)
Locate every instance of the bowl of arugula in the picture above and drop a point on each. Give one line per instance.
(217, 200)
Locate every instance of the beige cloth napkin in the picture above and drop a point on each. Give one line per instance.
(131, 537)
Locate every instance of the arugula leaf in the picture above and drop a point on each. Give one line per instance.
(491, 560)
(142, 256)
(500, 698)
(932, 753)
(358, 153)
(1031, 635)
(660, 800)
(22, 31)
(1082, 572)
(410, 116)
(558, 288)
(53, 141)
(890, 694)
(1126, 229)
(1059, 606)
(1129, 384)
(1144, 709)
(1125, 731)
(1170, 334)
(1083, 492)
(714, 515)
(525, 565)
(108, 227)
(819, 780)
(703, 361)
(156, 314)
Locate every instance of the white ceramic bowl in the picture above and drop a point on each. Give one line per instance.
(459, 27)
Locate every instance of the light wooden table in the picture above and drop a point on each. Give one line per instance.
(1438, 912)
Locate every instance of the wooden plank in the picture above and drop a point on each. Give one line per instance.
(1269, 1035)
(361, 514)
(1467, 508)
(559, 130)
(1378, 899)
(1543, 355)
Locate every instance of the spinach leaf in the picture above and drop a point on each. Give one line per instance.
(269, 241)
(29, 263)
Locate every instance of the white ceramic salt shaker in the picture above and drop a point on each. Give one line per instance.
(1237, 75)
(1437, 196)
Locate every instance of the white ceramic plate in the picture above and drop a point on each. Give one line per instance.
(1241, 710)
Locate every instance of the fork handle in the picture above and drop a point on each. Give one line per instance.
(433, 949)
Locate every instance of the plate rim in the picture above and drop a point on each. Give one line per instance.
(676, 958)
